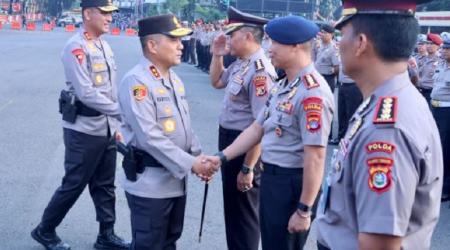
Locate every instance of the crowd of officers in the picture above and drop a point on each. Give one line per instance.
(382, 188)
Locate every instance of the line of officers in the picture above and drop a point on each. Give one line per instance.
(273, 133)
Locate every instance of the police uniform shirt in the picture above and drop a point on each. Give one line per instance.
(247, 87)
(90, 72)
(441, 90)
(426, 73)
(326, 58)
(387, 177)
(156, 119)
(299, 113)
(420, 59)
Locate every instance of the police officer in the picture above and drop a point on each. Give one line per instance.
(247, 82)
(327, 57)
(89, 123)
(388, 169)
(157, 126)
(422, 53)
(426, 73)
(294, 128)
(440, 102)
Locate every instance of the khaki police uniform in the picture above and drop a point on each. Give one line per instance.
(298, 114)
(90, 157)
(387, 172)
(426, 75)
(440, 106)
(327, 58)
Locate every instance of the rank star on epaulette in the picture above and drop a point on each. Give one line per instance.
(139, 92)
(310, 81)
(380, 176)
(386, 111)
(155, 72)
(79, 54)
(259, 65)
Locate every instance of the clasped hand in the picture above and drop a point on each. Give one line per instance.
(205, 167)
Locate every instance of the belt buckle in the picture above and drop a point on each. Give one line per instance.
(435, 103)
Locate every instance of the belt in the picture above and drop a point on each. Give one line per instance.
(277, 170)
(84, 110)
(440, 104)
(143, 159)
(425, 89)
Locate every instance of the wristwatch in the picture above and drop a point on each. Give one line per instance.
(245, 169)
(222, 157)
(304, 208)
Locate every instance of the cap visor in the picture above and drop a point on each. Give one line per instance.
(233, 27)
(338, 25)
(109, 8)
(180, 32)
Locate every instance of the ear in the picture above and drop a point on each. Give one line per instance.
(362, 45)
(87, 14)
(152, 46)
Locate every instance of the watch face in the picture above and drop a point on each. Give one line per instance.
(245, 170)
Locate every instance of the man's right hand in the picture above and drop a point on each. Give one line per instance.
(205, 168)
(220, 46)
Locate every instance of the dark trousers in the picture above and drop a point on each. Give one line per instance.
(89, 160)
(349, 98)
(331, 80)
(192, 56)
(156, 224)
(442, 117)
(426, 94)
(280, 193)
(240, 208)
(185, 55)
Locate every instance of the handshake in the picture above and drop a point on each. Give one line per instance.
(206, 166)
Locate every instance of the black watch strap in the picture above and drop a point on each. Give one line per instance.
(222, 157)
(304, 208)
(245, 169)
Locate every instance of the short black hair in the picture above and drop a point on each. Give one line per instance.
(393, 36)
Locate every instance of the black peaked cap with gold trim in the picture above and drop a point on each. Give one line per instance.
(238, 19)
(103, 5)
(163, 24)
(377, 7)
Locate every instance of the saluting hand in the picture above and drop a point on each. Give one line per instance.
(220, 46)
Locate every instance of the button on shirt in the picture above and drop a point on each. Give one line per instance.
(387, 177)
(156, 119)
(247, 89)
(299, 113)
(90, 72)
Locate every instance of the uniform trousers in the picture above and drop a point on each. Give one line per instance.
(442, 117)
(331, 80)
(156, 224)
(349, 98)
(89, 160)
(185, 55)
(240, 208)
(426, 94)
(280, 193)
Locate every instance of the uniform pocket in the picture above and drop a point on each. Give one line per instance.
(235, 88)
(284, 120)
(99, 73)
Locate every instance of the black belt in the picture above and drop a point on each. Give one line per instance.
(143, 159)
(229, 132)
(84, 110)
(425, 89)
(277, 170)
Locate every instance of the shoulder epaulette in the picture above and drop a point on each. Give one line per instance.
(155, 72)
(259, 65)
(310, 81)
(386, 110)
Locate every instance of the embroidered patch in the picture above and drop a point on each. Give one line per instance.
(379, 146)
(169, 125)
(380, 176)
(139, 92)
(312, 104)
(259, 65)
(79, 54)
(285, 107)
(155, 72)
(386, 111)
(313, 122)
(260, 85)
(310, 81)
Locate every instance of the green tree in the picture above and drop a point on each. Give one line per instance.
(176, 6)
(209, 13)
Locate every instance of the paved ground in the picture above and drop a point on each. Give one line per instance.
(31, 152)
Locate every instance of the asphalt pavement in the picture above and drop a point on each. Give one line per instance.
(32, 150)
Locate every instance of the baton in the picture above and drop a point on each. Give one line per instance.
(205, 194)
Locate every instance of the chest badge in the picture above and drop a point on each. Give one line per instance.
(169, 125)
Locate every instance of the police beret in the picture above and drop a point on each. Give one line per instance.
(238, 19)
(103, 5)
(163, 24)
(291, 30)
(376, 7)
(434, 38)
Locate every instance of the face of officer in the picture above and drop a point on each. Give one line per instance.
(421, 48)
(283, 55)
(239, 42)
(432, 48)
(97, 21)
(326, 37)
(350, 48)
(446, 54)
(165, 50)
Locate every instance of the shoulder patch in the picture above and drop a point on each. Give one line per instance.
(260, 85)
(310, 81)
(155, 72)
(379, 146)
(79, 54)
(380, 174)
(312, 104)
(386, 110)
(139, 92)
(259, 65)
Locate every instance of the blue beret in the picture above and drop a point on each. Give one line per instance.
(291, 30)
